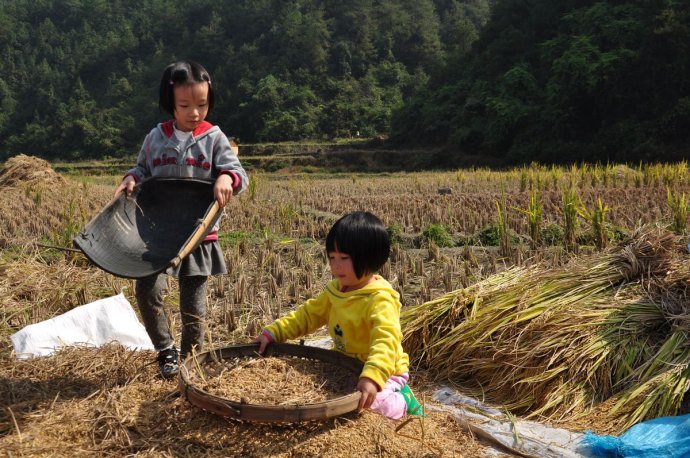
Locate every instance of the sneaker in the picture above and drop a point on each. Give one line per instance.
(168, 362)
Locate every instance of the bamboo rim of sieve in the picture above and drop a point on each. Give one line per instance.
(263, 412)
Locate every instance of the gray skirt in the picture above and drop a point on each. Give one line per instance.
(206, 260)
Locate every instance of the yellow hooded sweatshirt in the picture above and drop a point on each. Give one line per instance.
(364, 324)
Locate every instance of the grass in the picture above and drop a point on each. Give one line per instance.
(234, 238)
(570, 204)
(534, 218)
(502, 224)
(679, 211)
(596, 216)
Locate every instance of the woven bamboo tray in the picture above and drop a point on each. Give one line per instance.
(269, 413)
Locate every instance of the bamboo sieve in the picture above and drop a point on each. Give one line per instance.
(269, 413)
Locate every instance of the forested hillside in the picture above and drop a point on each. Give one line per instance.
(80, 77)
(561, 81)
(511, 81)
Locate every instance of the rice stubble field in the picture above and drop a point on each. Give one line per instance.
(461, 237)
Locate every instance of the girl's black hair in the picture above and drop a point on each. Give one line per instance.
(362, 236)
(182, 72)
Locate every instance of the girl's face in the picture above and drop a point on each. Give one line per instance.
(342, 269)
(191, 105)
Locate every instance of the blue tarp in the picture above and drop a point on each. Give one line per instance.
(661, 437)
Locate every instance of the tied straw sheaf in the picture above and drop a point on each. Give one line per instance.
(603, 339)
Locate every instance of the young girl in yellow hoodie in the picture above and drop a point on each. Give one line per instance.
(362, 312)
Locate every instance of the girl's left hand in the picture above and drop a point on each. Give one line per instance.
(222, 190)
(368, 388)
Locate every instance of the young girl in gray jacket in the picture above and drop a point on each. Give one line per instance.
(186, 146)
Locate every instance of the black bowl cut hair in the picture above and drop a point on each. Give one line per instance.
(362, 236)
(178, 73)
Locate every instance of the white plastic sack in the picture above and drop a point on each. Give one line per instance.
(106, 320)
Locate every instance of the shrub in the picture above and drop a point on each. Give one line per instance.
(490, 235)
(395, 232)
(438, 234)
(466, 240)
(552, 234)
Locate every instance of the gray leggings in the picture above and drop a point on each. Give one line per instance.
(149, 294)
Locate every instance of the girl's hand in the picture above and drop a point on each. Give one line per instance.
(263, 340)
(222, 190)
(368, 388)
(127, 185)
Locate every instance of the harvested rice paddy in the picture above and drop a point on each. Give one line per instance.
(577, 320)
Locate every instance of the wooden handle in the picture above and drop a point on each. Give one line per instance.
(200, 232)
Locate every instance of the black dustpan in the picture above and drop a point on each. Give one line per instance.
(161, 222)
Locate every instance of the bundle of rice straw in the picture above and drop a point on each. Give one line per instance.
(28, 170)
(603, 337)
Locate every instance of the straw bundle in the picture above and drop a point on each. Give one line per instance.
(605, 330)
(28, 170)
(39, 204)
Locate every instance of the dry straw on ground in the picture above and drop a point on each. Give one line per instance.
(35, 287)
(111, 402)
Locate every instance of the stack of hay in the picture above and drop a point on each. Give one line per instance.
(40, 204)
(602, 341)
(23, 170)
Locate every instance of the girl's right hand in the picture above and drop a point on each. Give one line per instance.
(263, 340)
(127, 185)
(369, 389)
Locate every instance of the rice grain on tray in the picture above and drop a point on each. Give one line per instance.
(274, 380)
